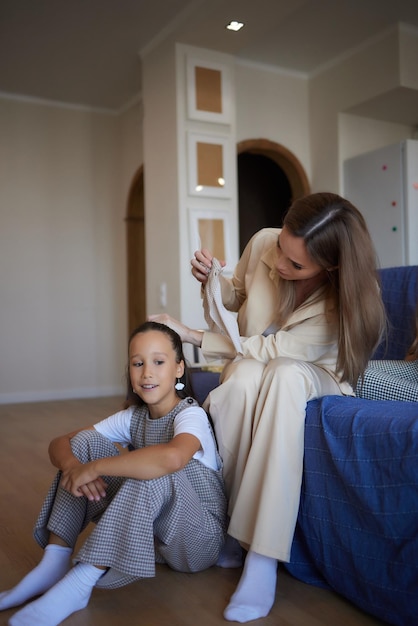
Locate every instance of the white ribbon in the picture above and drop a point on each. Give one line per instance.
(217, 317)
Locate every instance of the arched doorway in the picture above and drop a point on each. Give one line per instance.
(270, 177)
(135, 237)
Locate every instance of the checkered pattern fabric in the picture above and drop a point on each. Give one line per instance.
(178, 519)
(400, 295)
(390, 380)
(217, 317)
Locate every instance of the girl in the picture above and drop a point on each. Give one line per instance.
(309, 315)
(162, 501)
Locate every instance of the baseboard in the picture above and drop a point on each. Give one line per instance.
(64, 394)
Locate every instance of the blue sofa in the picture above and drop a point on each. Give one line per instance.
(357, 530)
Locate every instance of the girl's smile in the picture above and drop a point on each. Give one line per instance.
(153, 370)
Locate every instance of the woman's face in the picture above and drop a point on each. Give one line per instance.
(293, 261)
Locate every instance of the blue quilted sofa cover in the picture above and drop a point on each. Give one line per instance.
(357, 530)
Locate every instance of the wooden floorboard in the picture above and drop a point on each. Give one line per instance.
(169, 599)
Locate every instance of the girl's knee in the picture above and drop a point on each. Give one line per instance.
(85, 437)
(89, 444)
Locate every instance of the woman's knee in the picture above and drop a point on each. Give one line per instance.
(244, 376)
(284, 367)
(297, 376)
(285, 375)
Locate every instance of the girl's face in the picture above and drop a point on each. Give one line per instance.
(293, 261)
(153, 370)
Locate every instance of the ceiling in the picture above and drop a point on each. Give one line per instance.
(88, 52)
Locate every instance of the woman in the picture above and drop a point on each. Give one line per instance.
(310, 315)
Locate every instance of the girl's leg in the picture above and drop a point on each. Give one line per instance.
(272, 479)
(190, 528)
(54, 564)
(70, 594)
(61, 520)
(65, 515)
(163, 518)
(389, 380)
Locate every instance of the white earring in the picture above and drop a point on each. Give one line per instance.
(179, 385)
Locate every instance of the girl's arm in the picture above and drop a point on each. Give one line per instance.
(142, 464)
(61, 457)
(60, 452)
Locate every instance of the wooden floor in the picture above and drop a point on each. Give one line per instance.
(169, 599)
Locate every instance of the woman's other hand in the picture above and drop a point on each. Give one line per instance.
(202, 264)
(187, 335)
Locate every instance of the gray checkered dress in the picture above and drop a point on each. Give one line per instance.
(178, 519)
(390, 380)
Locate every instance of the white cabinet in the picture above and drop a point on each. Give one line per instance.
(383, 185)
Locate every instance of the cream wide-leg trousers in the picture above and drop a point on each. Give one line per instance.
(259, 416)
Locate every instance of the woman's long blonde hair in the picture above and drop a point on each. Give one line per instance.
(337, 239)
(412, 354)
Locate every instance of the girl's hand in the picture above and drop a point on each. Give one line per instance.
(202, 264)
(82, 480)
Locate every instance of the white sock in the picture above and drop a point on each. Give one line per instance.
(256, 589)
(231, 554)
(70, 594)
(54, 564)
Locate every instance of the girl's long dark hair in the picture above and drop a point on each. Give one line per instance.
(131, 397)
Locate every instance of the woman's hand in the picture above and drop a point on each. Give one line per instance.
(202, 264)
(187, 335)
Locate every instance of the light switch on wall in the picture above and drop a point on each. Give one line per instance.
(163, 295)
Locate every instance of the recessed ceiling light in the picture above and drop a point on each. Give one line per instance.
(235, 25)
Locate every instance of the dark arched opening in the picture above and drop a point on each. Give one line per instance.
(264, 194)
(270, 177)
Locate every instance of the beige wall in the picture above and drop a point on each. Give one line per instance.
(63, 183)
(161, 179)
(371, 71)
(358, 135)
(408, 47)
(65, 175)
(191, 312)
(273, 105)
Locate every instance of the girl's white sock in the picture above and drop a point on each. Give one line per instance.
(70, 594)
(54, 564)
(256, 589)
